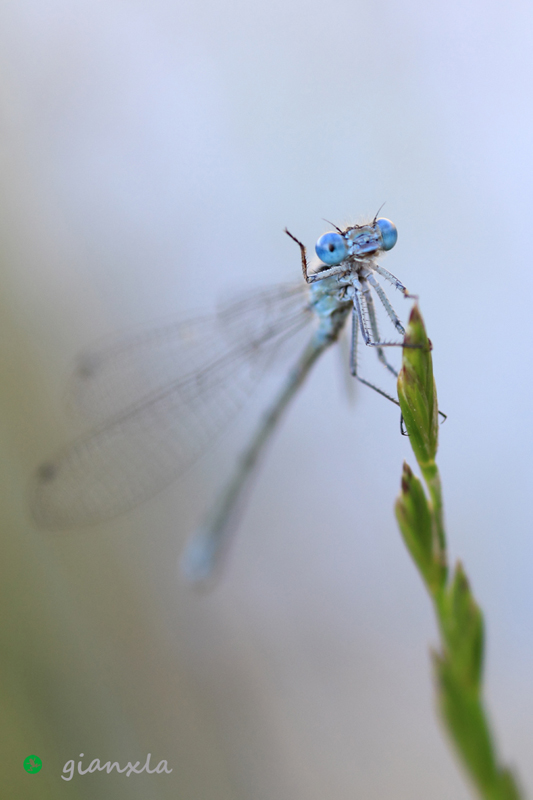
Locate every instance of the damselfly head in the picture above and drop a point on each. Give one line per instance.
(333, 248)
(366, 239)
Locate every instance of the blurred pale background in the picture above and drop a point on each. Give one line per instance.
(151, 155)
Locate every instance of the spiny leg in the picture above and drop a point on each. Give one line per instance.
(386, 304)
(356, 322)
(353, 349)
(303, 255)
(392, 314)
(341, 269)
(361, 305)
(374, 327)
(358, 308)
(395, 282)
(317, 276)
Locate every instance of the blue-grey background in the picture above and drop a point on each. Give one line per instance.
(151, 155)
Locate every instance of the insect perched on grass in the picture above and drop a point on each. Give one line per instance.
(158, 399)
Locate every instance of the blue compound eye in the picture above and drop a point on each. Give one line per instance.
(389, 234)
(331, 248)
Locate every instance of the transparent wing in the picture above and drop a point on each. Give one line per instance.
(157, 399)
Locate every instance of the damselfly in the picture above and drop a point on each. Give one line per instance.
(158, 399)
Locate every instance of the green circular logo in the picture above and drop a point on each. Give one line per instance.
(33, 764)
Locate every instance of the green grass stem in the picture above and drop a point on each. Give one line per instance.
(458, 666)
